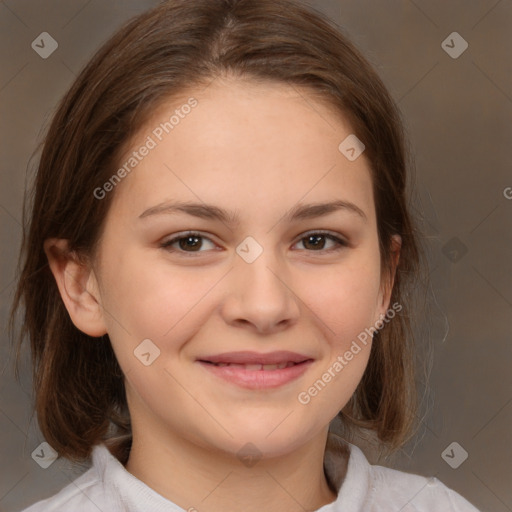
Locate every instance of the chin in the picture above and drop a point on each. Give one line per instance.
(263, 441)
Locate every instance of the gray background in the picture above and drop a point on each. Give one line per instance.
(458, 116)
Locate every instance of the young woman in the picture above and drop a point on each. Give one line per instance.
(217, 266)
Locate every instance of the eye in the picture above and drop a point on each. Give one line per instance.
(188, 242)
(194, 242)
(316, 241)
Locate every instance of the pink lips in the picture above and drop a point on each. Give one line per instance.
(255, 370)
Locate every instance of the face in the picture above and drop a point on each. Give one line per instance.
(244, 228)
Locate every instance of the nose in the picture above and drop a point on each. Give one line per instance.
(259, 295)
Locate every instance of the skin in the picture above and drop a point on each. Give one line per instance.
(256, 150)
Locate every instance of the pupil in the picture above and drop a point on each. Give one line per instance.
(194, 243)
(316, 241)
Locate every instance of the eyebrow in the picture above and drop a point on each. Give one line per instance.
(298, 212)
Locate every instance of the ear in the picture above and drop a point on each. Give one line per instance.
(389, 279)
(78, 287)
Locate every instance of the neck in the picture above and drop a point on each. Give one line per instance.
(195, 478)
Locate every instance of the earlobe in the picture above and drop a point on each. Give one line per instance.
(78, 287)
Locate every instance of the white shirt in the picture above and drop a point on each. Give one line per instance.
(108, 487)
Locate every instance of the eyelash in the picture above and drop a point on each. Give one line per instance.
(167, 244)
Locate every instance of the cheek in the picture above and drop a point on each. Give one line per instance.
(345, 306)
(143, 300)
(345, 299)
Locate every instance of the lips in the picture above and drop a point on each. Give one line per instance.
(253, 370)
(256, 360)
(256, 366)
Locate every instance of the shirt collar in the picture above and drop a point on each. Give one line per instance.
(351, 479)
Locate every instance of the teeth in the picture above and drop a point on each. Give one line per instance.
(254, 367)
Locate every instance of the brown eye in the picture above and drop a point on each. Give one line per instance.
(318, 241)
(190, 242)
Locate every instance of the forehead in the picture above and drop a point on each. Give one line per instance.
(243, 143)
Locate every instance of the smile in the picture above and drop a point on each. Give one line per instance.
(255, 367)
(257, 376)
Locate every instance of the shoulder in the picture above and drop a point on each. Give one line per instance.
(108, 487)
(81, 494)
(414, 492)
(363, 487)
(87, 493)
(390, 489)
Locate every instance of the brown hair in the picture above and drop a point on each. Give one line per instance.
(79, 389)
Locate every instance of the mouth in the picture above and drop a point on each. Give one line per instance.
(255, 367)
(251, 370)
